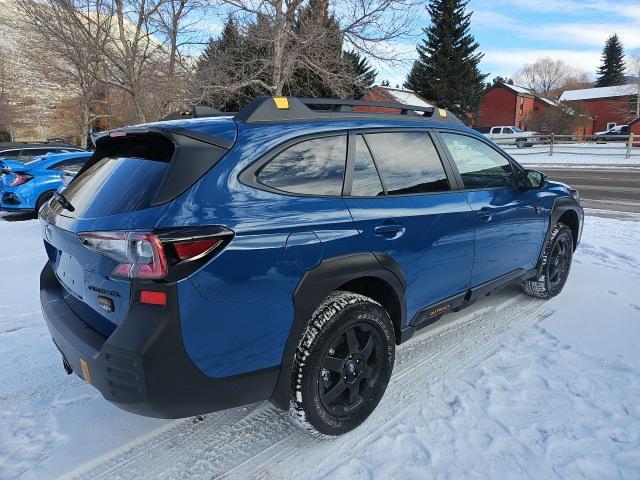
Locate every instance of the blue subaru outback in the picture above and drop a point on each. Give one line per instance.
(282, 253)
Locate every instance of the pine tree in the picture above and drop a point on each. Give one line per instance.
(446, 71)
(315, 21)
(225, 57)
(611, 72)
(363, 73)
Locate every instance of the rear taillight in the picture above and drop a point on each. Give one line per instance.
(20, 179)
(195, 249)
(167, 253)
(139, 255)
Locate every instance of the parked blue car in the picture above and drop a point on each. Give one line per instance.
(26, 187)
(283, 253)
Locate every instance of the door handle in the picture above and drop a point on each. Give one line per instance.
(389, 230)
(485, 214)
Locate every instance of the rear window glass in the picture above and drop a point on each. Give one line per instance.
(115, 185)
(408, 162)
(312, 167)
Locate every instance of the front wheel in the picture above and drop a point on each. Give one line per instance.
(342, 365)
(556, 264)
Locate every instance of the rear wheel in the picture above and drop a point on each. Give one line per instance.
(342, 365)
(44, 198)
(521, 143)
(556, 264)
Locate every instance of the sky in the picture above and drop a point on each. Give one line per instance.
(514, 32)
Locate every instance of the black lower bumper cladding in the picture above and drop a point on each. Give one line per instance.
(142, 367)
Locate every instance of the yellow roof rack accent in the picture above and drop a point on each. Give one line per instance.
(442, 112)
(282, 103)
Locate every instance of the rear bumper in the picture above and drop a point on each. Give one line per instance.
(14, 202)
(142, 367)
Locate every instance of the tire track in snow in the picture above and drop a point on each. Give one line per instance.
(259, 440)
(452, 348)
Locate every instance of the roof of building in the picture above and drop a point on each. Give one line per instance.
(599, 92)
(548, 101)
(516, 88)
(407, 97)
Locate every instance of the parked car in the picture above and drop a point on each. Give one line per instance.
(509, 135)
(619, 133)
(283, 253)
(34, 183)
(14, 154)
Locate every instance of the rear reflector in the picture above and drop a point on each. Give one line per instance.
(153, 298)
(196, 249)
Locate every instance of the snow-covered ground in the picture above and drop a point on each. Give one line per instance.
(511, 388)
(610, 154)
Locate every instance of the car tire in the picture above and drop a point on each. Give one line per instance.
(342, 364)
(555, 265)
(44, 198)
(521, 143)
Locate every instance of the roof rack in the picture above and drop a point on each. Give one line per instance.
(197, 111)
(279, 109)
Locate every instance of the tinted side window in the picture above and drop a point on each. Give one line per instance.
(30, 153)
(480, 166)
(313, 167)
(366, 182)
(72, 165)
(408, 162)
(10, 153)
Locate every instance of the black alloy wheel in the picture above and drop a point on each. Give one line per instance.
(350, 369)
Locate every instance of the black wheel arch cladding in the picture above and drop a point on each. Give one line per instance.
(317, 284)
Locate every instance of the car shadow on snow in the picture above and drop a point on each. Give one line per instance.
(18, 217)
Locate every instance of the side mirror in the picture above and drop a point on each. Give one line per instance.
(533, 179)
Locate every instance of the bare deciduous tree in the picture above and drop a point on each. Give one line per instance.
(288, 43)
(64, 38)
(6, 112)
(633, 68)
(549, 76)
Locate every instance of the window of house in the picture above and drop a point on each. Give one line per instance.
(408, 162)
(480, 166)
(311, 167)
(633, 104)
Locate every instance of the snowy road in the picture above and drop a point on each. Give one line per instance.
(511, 388)
(610, 189)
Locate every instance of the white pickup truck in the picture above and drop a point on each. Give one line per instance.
(507, 135)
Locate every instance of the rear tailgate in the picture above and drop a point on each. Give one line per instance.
(125, 187)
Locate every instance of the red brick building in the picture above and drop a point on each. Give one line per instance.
(634, 127)
(392, 95)
(505, 104)
(607, 106)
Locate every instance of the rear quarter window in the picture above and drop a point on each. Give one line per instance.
(311, 167)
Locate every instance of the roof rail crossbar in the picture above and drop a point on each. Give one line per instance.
(404, 109)
(270, 109)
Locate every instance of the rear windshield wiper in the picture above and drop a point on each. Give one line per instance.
(62, 200)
